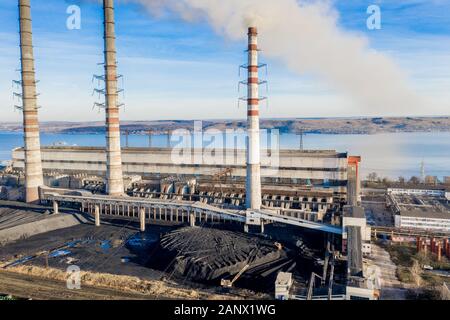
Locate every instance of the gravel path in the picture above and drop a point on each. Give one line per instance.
(391, 287)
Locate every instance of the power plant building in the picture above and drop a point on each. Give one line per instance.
(322, 171)
(420, 208)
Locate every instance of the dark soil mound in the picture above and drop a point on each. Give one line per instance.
(203, 254)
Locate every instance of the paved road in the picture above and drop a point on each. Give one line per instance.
(391, 287)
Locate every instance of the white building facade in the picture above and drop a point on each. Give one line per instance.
(423, 222)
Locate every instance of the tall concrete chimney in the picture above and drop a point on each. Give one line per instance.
(32, 146)
(253, 184)
(114, 177)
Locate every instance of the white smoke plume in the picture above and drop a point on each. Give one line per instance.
(306, 37)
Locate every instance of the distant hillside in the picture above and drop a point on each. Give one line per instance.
(294, 125)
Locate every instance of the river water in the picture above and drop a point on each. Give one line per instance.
(389, 154)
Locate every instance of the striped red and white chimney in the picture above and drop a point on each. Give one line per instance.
(32, 147)
(253, 183)
(114, 177)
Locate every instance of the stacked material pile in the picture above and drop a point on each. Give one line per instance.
(202, 254)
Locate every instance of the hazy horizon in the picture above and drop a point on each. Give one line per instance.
(243, 118)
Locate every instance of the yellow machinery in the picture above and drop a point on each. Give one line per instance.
(227, 283)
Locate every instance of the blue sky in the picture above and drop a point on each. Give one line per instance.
(178, 70)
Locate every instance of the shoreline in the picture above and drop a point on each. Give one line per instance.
(163, 133)
(348, 125)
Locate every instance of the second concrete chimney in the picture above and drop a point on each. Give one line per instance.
(32, 146)
(114, 177)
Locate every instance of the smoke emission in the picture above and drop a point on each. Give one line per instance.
(306, 37)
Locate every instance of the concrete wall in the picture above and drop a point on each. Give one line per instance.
(359, 293)
(358, 222)
(354, 181)
(53, 222)
(319, 165)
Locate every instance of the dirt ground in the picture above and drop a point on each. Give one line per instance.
(376, 212)
(117, 247)
(92, 249)
(396, 262)
(391, 287)
(37, 288)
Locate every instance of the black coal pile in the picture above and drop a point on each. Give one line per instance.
(208, 255)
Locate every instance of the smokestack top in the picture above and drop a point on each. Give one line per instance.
(252, 31)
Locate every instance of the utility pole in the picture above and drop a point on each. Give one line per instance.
(149, 138)
(126, 138)
(301, 139)
(422, 171)
(168, 138)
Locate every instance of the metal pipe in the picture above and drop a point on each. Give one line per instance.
(32, 147)
(114, 185)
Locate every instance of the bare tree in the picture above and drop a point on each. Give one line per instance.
(414, 180)
(372, 177)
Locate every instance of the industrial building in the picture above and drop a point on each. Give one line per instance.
(317, 175)
(447, 180)
(423, 219)
(420, 209)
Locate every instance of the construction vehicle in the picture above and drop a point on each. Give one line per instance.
(278, 245)
(226, 283)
